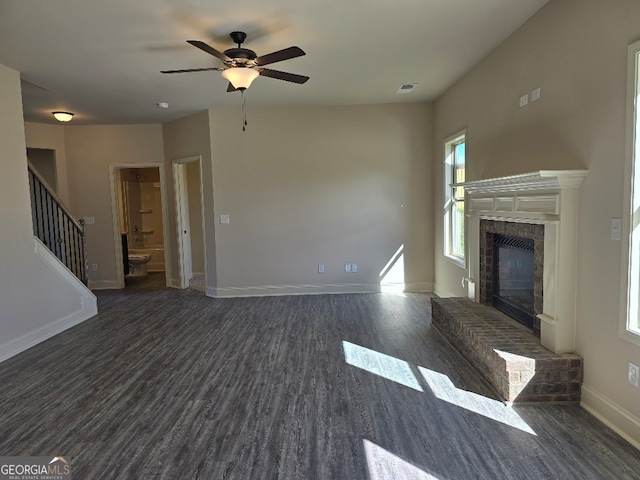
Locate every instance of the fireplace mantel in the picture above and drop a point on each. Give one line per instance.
(547, 197)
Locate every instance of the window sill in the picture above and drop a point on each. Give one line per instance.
(630, 336)
(460, 262)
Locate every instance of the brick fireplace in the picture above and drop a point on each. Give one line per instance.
(541, 205)
(537, 213)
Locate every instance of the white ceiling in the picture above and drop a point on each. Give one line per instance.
(102, 59)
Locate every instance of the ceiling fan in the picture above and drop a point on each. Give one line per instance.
(242, 66)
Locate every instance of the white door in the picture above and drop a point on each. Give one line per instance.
(182, 220)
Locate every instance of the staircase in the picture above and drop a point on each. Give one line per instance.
(56, 228)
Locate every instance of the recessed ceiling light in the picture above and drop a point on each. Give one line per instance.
(406, 88)
(163, 105)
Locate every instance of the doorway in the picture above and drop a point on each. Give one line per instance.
(138, 201)
(187, 176)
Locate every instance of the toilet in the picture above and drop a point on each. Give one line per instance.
(138, 265)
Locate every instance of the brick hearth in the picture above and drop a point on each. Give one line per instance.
(507, 354)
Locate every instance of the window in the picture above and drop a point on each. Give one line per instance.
(630, 308)
(454, 168)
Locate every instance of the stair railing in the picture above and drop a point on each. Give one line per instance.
(54, 225)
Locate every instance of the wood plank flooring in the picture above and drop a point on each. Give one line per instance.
(174, 385)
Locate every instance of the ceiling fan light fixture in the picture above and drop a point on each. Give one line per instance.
(240, 77)
(63, 116)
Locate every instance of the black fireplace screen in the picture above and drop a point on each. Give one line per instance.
(514, 277)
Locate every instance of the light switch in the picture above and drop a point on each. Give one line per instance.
(89, 220)
(225, 219)
(616, 229)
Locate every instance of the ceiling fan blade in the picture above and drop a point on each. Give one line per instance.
(231, 88)
(280, 55)
(209, 49)
(190, 70)
(286, 76)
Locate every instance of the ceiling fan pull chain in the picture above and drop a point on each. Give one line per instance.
(244, 112)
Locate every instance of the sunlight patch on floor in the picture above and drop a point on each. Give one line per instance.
(380, 364)
(384, 465)
(392, 275)
(445, 390)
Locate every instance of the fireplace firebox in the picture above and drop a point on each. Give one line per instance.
(511, 266)
(514, 277)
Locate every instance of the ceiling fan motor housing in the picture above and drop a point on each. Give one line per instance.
(240, 57)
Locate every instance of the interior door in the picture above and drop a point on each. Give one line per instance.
(184, 231)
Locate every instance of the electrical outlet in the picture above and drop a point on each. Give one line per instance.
(354, 268)
(320, 268)
(347, 267)
(634, 375)
(94, 267)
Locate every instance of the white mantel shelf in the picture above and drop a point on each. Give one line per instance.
(531, 182)
(522, 198)
(547, 197)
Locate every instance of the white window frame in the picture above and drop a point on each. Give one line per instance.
(630, 283)
(449, 202)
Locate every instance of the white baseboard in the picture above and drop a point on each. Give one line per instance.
(337, 288)
(104, 285)
(211, 292)
(88, 307)
(623, 422)
(28, 340)
(275, 290)
(441, 292)
(174, 283)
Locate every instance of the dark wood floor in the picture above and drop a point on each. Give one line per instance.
(172, 384)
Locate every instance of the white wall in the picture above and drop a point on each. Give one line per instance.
(91, 150)
(185, 138)
(575, 50)
(304, 186)
(37, 299)
(322, 185)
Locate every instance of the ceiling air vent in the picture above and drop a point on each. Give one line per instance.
(406, 88)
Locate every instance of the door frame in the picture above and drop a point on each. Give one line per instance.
(181, 201)
(115, 218)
